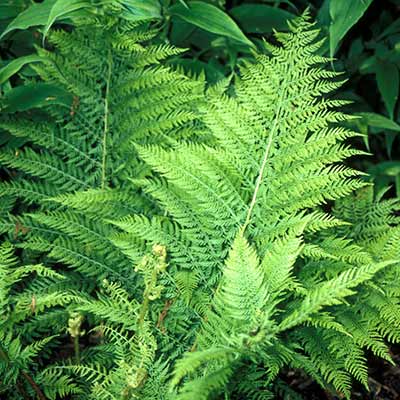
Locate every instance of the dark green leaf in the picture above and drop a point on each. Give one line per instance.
(368, 66)
(15, 65)
(211, 19)
(356, 48)
(10, 10)
(388, 168)
(34, 95)
(137, 10)
(36, 14)
(392, 28)
(213, 72)
(323, 16)
(379, 121)
(390, 137)
(61, 8)
(180, 32)
(387, 76)
(260, 18)
(344, 14)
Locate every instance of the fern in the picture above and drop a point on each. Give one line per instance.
(268, 150)
(184, 248)
(121, 94)
(129, 343)
(71, 171)
(27, 292)
(275, 159)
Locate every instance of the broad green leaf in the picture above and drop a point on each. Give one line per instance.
(390, 137)
(344, 14)
(391, 29)
(368, 66)
(13, 142)
(34, 95)
(10, 10)
(183, 3)
(379, 121)
(356, 48)
(15, 65)
(36, 14)
(289, 3)
(181, 31)
(387, 76)
(323, 16)
(61, 8)
(260, 18)
(211, 19)
(389, 168)
(384, 174)
(137, 10)
(197, 67)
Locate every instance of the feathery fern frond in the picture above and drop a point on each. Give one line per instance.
(275, 159)
(22, 302)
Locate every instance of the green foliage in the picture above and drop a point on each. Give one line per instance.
(119, 92)
(275, 144)
(175, 237)
(32, 304)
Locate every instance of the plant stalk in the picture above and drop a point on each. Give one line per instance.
(106, 124)
(146, 300)
(264, 161)
(26, 376)
(34, 386)
(77, 350)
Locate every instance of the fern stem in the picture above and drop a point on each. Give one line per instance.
(4, 355)
(146, 299)
(143, 310)
(106, 123)
(258, 182)
(27, 377)
(264, 161)
(34, 386)
(6, 359)
(21, 390)
(77, 350)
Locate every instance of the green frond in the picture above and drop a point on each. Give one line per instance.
(331, 292)
(331, 369)
(56, 385)
(114, 305)
(242, 292)
(186, 282)
(192, 361)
